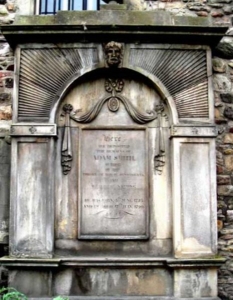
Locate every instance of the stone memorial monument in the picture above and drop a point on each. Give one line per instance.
(113, 186)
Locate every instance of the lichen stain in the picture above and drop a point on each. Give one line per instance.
(146, 283)
(206, 291)
(192, 243)
(62, 225)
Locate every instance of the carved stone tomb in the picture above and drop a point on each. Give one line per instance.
(113, 191)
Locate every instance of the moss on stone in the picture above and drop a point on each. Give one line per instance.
(117, 17)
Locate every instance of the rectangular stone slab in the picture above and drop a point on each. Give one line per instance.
(113, 199)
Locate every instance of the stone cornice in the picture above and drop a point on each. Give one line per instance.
(112, 261)
(101, 26)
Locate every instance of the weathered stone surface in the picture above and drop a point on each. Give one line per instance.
(9, 83)
(220, 169)
(220, 161)
(5, 97)
(219, 224)
(126, 281)
(230, 216)
(229, 162)
(227, 9)
(134, 4)
(222, 83)
(5, 113)
(225, 190)
(4, 190)
(227, 97)
(11, 7)
(221, 121)
(32, 283)
(3, 10)
(113, 6)
(219, 154)
(217, 14)
(228, 151)
(219, 66)
(185, 281)
(223, 179)
(228, 138)
(230, 31)
(202, 14)
(121, 17)
(94, 160)
(217, 113)
(226, 231)
(228, 112)
(219, 1)
(227, 237)
(225, 47)
(216, 5)
(198, 7)
(146, 284)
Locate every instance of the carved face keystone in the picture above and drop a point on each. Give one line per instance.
(113, 54)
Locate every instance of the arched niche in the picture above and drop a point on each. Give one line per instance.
(115, 196)
(147, 76)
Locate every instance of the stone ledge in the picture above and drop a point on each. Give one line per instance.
(33, 129)
(194, 131)
(112, 261)
(128, 298)
(99, 26)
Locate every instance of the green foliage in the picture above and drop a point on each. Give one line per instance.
(11, 294)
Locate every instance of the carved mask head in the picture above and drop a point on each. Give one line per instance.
(113, 54)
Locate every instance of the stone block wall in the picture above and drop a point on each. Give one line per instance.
(7, 15)
(221, 12)
(223, 78)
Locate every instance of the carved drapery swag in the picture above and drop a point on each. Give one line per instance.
(66, 149)
(114, 86)
(159, 157)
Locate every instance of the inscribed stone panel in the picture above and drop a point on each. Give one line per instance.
(113, 184)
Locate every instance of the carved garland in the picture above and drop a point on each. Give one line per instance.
(113, 56)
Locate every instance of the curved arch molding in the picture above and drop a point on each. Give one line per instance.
(45, 72)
